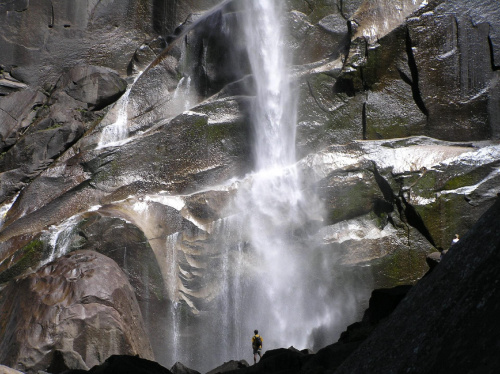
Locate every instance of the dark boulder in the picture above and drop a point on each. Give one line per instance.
(448, 322)
(276, 361)
(179, 368)
(16, 113)
(94, 85)
(65, 360)
(327, 359)
(122, 364)
(229, 366)
(383, 302)
(434, 258)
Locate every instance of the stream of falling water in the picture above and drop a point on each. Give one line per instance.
(272, 274)
(59, 238)
(117, 132)
(4, 209)
(173, 291)
(274, 200)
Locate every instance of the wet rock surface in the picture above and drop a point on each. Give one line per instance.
(43, 38)
(95, 86)
(422, 316)
(432, 316)
(367, 73)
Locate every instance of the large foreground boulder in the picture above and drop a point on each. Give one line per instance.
(72, 313)
(448, 321)
(125, 365)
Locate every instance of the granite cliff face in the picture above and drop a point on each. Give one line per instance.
(125, 131)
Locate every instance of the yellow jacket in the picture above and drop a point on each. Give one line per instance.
(261, 340)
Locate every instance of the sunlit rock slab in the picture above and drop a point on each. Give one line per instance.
(392, 188)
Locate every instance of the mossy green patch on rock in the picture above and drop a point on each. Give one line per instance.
(467, 179)
(440, 217)
(426, 184)
(349, 196)
(27, 257)
(404, 266)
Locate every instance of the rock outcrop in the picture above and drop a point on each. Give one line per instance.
(71, 313)
(447, 321)
(425, 328)
(41, 129)
(397, 142)
(179, 368)
(125, 365)
(42, 38)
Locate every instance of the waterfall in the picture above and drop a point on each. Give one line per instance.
(173, 291)
(230, 307)
(117, 132)
(289, 287)
(274, 197)
(182, 98)
(59, 238)
(4, 209)
(274, 111)
(266, 271)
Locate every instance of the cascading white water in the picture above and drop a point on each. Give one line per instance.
(264, 271)
(117, 132)
(4, 209)
(274, 198)
(295, 299)
(274, 113)
(232, 291)
(181, 99)
(173, 291)
(59, 238)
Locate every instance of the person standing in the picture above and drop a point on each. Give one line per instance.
(257, 342)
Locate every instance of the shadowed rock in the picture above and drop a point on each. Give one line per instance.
(16, 113)
(447, 322)
(280, 360)
(229, 366)
(93, 85)
(121, 364)
(179, 368)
